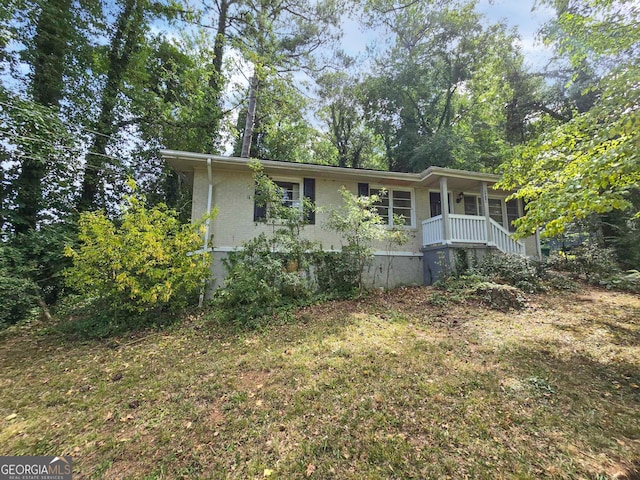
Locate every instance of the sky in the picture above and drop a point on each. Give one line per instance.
(527, 20)
(515, 13)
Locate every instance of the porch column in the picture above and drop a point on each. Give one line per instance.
(484, 194)
(444, 202)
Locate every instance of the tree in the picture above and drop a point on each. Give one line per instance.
(124, 44)
(591, 163)
(277, 38)
(343, 114)
(428, 98)
(280, 130)
(48, 51)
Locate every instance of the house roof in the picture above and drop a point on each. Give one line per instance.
(460, 179)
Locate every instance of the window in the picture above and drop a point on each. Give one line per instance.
(472, 205)
(293, 193)
(436, 204)
(495, 210)
(401, 202)
(398, 203)
(382, 204)
(290, 194)
(512, 213)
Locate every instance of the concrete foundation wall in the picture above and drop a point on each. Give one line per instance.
(443, 259)
(384, 272)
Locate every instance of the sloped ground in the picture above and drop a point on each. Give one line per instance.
(386, 387)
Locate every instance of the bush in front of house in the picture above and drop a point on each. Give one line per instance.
(515, 270)
(261, 279)
(140, 263)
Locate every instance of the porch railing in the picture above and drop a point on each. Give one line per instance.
(432, 231)
(470, 229)
(503, 240)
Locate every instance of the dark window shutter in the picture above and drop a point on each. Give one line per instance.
(259, 211)
(309, 192)
(363, 189)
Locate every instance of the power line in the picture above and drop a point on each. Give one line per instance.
(64, 147)
(66, 124)
(19, 155)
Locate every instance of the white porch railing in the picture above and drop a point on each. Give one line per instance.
(470, 229)
(432, 231)
(503, 240)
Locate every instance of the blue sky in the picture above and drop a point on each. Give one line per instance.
(520, 14)
(515, 13)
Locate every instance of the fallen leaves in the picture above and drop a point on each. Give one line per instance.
(311, 468)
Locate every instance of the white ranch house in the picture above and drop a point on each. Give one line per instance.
(477, 219)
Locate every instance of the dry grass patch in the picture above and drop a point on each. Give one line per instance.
(386, 387)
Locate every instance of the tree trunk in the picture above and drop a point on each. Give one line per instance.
(124, 44)
(50, 48)
(251, 117)
(216, 81)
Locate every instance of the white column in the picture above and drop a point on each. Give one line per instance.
(444, 202)
(484, 198)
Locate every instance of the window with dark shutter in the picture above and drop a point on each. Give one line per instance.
(259, 210)
(309, 192)
(363, 189)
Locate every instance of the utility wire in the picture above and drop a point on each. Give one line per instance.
(66, 124)
(19, 155)
(22, 137)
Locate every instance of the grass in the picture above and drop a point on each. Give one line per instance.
(390, 386)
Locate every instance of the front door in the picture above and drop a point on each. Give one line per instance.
(436, 204)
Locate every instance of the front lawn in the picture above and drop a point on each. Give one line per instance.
(390, 386)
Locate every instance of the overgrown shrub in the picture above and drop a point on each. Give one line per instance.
(359, 223)
(17, 290)
(500, 297)
(514, 270)
(141, 263)
(260, 280)
(628, 281)
(336, 273)
(590, 262)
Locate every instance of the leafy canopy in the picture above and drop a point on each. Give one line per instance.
(591, 163)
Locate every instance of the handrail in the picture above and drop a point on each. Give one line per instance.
(504, 241)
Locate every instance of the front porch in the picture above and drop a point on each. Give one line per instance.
(464, 214)
(469, 230)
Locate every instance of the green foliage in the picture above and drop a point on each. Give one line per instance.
(336, 272)
(499, 296)
(260, 281)
(359, 223)
(590, 262)
(590, 163)
(514, 270)
(355, 143)
(413, 98)
(628, 281)
(43, 253)
(17, 290)
(143, 262)
(82, 318)
(268, 272)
